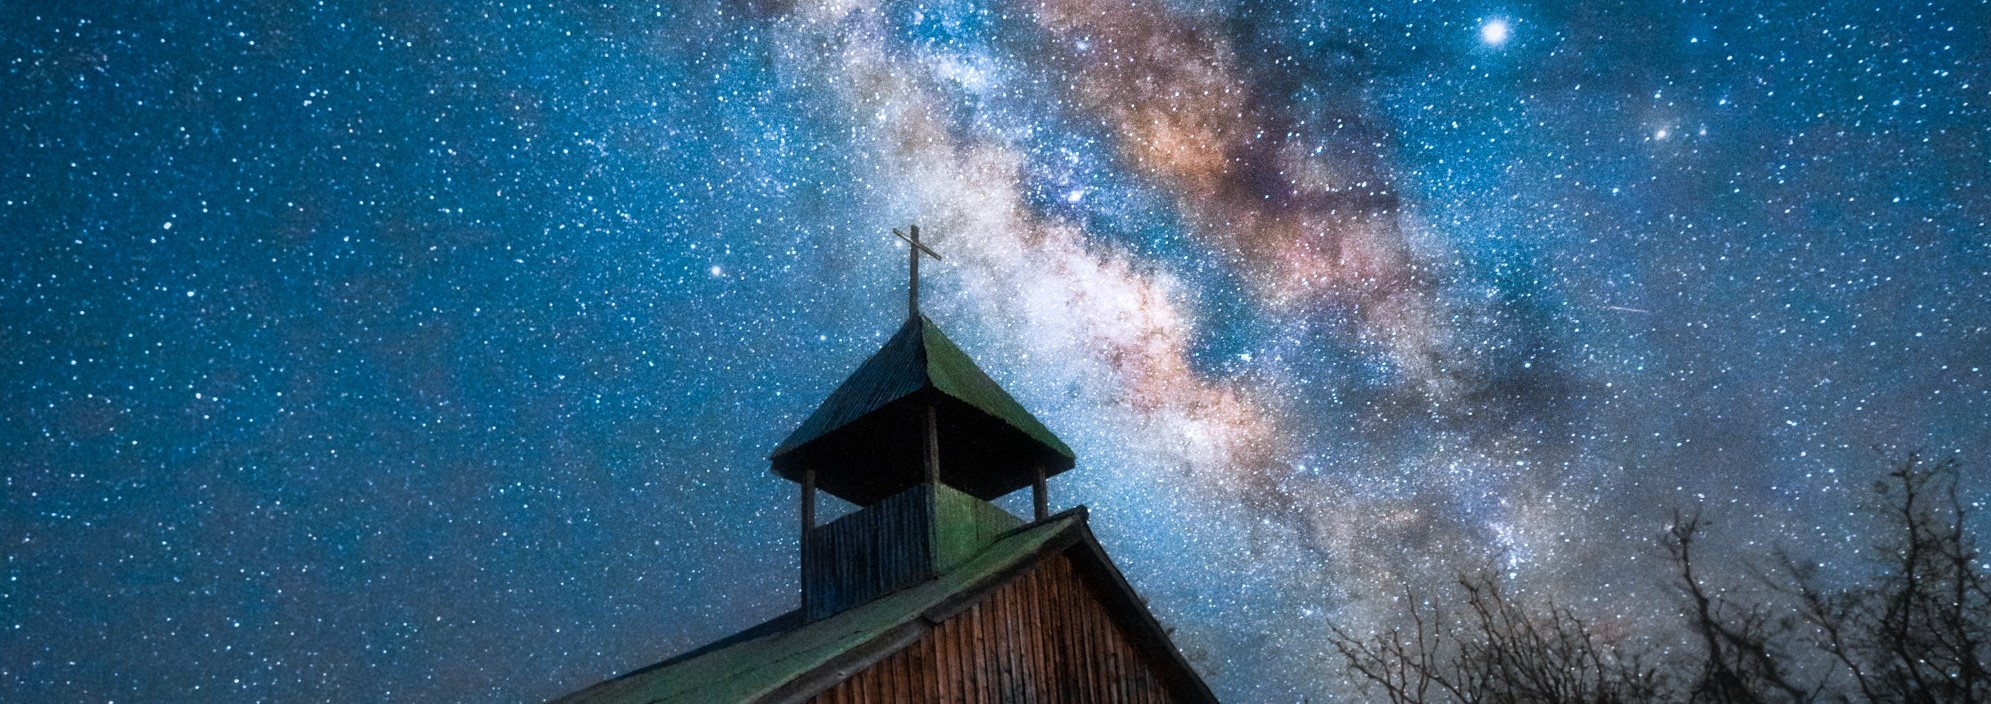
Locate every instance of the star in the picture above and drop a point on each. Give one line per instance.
(492, 337)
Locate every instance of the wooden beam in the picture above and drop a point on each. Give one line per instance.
(809, 500)
(808, 526)
(1040, 497)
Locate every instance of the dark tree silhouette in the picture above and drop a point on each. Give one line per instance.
(1919, 631)
(1742, 660)
(1498, 650)
(1915, 630)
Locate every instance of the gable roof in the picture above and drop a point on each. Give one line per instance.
(920, 363)
(784, 660)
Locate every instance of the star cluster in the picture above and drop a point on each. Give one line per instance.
(384, 352)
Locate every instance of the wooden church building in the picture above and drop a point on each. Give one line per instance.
(928, 592)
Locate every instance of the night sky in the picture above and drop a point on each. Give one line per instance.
(425, 351)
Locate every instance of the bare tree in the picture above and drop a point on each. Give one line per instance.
(1742, 658)
(1498, 650)
(1919, 631)
(1915, 630)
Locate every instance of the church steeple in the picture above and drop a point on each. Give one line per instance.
(922, 439)
(928, 592)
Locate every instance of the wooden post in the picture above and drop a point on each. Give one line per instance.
(808, 526)
(912, 291)
(1040, 498)
(808, 501)
(932, 445)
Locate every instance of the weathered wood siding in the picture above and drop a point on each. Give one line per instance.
(875, 551)
(1044, 637)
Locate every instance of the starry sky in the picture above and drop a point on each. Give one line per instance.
(391, 351)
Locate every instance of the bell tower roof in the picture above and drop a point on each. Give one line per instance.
(864, 440)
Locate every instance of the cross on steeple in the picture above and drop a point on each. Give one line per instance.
(912, 290)
(921, 440)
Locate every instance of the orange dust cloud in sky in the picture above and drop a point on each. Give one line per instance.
(1311, 230)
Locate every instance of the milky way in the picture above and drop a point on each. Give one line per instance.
(376, 353)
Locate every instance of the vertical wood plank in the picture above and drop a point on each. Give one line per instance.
(960, 671)
(979, 646)
(1045, 637)
(1047, 677)
(999, 636)
(919, 670)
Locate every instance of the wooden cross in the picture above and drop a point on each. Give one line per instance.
(912, 290)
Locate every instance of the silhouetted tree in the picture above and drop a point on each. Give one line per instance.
(1917, 631)
(1742, 660)
(1498, 650)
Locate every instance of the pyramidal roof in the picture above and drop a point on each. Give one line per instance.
(918, 364)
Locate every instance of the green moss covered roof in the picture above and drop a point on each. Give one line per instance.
(918, 356)
(753, 668)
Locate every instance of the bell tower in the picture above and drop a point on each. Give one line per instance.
(921, 440)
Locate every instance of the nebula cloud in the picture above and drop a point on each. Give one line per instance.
(1085, 305)
(1315, 237)
(1313, 230)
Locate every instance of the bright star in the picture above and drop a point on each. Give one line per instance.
(1494, 32)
